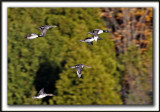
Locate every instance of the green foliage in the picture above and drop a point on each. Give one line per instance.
(97, 84)
(45, 62)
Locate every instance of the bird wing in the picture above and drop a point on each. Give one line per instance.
(72, 66)
(41, 91)
(95, 32)
(88, 38)
(43, 32)
(29, 35)
(87, 66)
(52, 26)
(79, 72)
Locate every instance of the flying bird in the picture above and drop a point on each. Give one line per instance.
(42, 94)
(45, 28)
(32, 36)
(79, 68)
(89, 40)
(96, 32)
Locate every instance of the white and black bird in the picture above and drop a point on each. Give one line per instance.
(45, 28)
(42, 94)
(96, 32)
(89, 40)
(32, 36)
(79, 69)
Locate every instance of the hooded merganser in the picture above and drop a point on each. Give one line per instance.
(42, 94)
(79, 68)
(45, 28)
(96, 32)
(89, 40)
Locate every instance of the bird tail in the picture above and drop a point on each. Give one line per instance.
(99, 38)
(33, 97)
(53, 26)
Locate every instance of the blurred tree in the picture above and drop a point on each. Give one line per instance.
(131, 31)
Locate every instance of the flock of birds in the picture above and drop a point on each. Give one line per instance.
(78, 67)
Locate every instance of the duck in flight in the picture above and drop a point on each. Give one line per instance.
(89, 40)
(79, 68)
(32, 36)
(45, 28)
(42, 94)
(96, 32)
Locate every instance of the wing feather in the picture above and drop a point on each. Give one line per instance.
(41, 91)
(87, 66)
(43, 32)
(96, 32)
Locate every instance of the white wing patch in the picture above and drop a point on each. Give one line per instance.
(95, 38)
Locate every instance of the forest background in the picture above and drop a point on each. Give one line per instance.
(121, 63)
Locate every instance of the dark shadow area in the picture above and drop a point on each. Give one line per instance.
(46, 78)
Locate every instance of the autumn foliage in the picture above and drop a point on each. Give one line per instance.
(131, 31)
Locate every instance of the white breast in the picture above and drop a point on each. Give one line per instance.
(32, 37)
(41, 96)
(100, 31)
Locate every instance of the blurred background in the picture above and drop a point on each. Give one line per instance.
(121, 63)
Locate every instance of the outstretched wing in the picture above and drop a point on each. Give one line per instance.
(43, 32)
(79, 72)
(87, 66)
(53, 26)
(41, 91)
(29, 35)
(95, 32)
(72, 66)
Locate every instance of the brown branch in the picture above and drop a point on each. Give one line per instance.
(140, 22)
